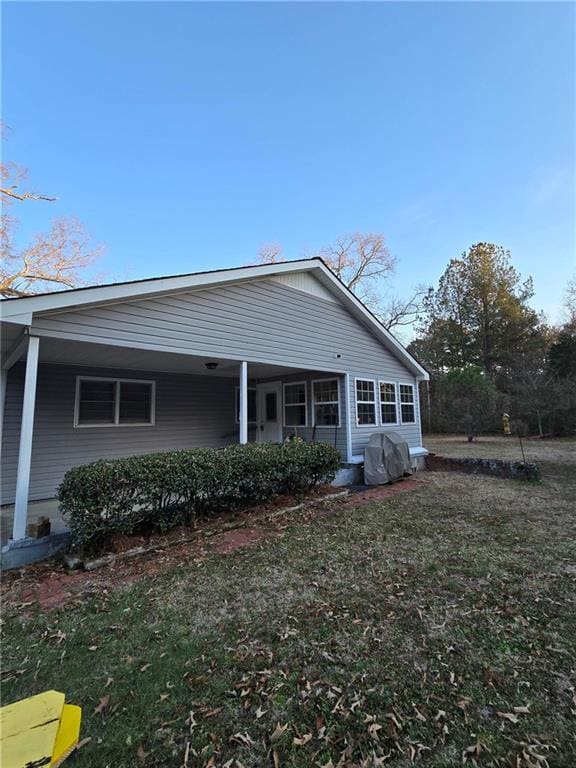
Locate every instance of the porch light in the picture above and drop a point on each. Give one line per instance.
(211, 366)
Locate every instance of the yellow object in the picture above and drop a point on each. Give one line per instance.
(41, 731)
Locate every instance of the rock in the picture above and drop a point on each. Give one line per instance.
(73, 562)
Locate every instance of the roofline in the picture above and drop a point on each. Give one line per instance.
(20, 310)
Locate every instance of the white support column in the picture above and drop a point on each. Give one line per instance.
(243, 402)
(26, 431)
(348, 418)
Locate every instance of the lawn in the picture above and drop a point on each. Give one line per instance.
(436, 627)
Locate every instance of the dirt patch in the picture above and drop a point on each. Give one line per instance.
(48, 584)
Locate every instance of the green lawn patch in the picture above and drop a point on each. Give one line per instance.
(437, 627)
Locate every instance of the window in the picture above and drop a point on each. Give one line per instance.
(326, 403)
(365, 402)
(295, 405)
(251, 405)
(407, 403)
(388, 412)
(114, 402)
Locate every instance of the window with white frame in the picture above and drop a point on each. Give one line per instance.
(251, 405)
(365, 402)
(102, 402)
(295, 404)
(326, 401)
(407, 408)
(388, 407)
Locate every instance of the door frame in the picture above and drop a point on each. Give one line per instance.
(261, 389)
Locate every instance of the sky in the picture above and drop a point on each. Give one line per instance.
(187, 135)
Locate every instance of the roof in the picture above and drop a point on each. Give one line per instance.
(21, 310)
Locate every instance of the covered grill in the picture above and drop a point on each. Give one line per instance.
(386, 458)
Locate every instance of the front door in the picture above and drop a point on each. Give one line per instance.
(269, 413)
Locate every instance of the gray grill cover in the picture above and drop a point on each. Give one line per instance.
(386, 458)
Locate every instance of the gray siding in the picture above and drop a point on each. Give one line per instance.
(190, 411)
(261, 321)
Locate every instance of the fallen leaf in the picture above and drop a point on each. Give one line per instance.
(141, 755)
(508, 716)
(145, 667)
(102, 704)
(279, 731)
(304, 740)
(260, 713)
(109, 682)
(522, 710)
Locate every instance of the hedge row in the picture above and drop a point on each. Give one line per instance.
(161, 490)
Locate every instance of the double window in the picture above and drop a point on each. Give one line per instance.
(295, 405)
(396, 403)
(326, 401)
(114, 402)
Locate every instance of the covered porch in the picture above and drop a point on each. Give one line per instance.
(66, 403)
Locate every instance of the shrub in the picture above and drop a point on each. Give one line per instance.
(161, 490)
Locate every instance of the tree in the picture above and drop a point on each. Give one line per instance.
(54, 259)
(364, 264)
(468, 400)
(570, 303)
(562, 355)
(479, 313)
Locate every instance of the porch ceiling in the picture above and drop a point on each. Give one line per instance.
(104, 356)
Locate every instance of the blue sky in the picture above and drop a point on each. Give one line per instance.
(187, 135)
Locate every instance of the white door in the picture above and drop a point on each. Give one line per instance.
(269, 413)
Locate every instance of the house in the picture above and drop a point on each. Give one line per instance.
(247, 354)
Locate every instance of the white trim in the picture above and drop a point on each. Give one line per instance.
(17, 308)
(413, 403)
(330, 402)
(396, 404)
(236, 400)
(25, 448)
(294, 405)
(347, 385)
(147, 287)
(244, 402)
(117, 382)
(375, 402)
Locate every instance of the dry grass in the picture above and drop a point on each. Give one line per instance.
(436, 628)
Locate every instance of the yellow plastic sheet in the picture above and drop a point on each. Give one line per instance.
(41, 731)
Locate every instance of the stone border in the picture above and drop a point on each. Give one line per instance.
(515, 470)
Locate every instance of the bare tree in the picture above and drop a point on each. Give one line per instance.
(398, 312)
(365, 265)
(270, 253)
(361, 261)
(54, 259)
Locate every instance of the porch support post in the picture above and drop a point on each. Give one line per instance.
(26, 430)
(243, 402)
(348, 418)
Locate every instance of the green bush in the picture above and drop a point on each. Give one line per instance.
(161, 490)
